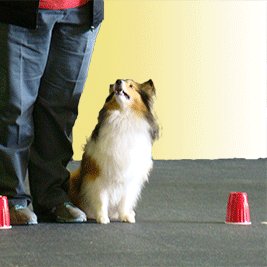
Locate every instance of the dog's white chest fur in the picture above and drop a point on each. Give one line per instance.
(123, 153)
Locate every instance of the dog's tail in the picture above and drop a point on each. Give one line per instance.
(74, 186)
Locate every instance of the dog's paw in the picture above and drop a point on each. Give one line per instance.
(128, 218)
(102, 219)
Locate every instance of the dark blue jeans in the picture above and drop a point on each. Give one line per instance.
(42, 75)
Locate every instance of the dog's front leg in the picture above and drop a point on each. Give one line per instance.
(126, 207)
(101, 208)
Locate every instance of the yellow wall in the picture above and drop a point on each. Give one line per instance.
(207, 60)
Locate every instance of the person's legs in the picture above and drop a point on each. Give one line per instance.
(23, 55)
(56, 108)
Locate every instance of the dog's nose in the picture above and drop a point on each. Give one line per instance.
(118, 82)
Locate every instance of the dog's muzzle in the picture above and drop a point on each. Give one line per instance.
(118, 89)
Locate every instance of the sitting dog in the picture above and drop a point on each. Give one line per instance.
(117, 157)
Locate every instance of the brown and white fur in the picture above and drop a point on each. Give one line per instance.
(117, 157)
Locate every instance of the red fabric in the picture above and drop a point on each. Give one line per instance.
(61, 4)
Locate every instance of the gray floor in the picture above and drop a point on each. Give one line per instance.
(180, 222)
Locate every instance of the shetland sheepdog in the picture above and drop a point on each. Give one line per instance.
(117, 157)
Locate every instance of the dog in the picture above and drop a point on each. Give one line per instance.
(117, 158)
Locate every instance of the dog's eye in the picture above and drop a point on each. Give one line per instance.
(131, 86)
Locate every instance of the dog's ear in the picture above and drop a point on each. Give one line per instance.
(149, 88)
(111, 88)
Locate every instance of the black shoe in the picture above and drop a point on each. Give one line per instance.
(20, 215)
(68, 213)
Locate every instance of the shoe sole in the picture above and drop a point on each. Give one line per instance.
(62, 220)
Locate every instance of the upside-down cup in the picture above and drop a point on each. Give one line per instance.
(238, 209)
(4, 213)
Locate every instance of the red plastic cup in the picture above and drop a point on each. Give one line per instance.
(238, 209)
(4, 213)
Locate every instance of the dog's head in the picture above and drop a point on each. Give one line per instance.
(130, 94)
(133, 97)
